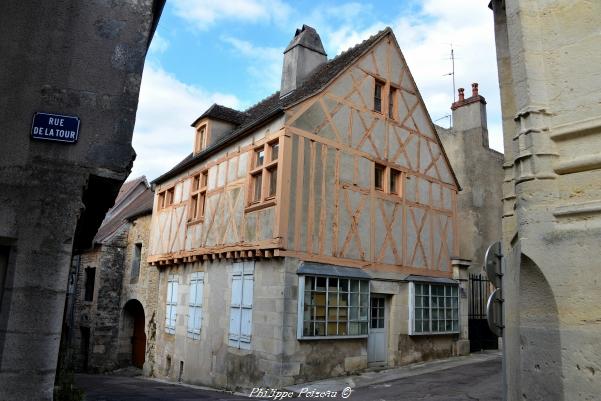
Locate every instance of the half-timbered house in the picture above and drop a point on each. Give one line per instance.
(310, 235)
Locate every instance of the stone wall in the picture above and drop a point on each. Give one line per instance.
(71, 58)
(548, 53)
(479, 170)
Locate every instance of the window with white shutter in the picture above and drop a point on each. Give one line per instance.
(195, 305)
(241, 305)
(171, 310)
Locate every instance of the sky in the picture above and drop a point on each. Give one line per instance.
(231, 51)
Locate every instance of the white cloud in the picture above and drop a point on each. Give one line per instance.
(425, 40)
(203, 13)
(158, 45)
(167, 106)
(263, 64)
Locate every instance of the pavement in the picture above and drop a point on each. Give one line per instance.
(473, 377)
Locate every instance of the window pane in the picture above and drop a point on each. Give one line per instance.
(275, 150)
(342, 329)
(391, 100)
(273, 181)
(308, 328)
(259, 157)
(394, 181)
(320, 284)
(378, 97)
(333, 298)
(379, 176)
(343, 285)
(320, 329)
(258, 181)
(355, 285)
(309, 283)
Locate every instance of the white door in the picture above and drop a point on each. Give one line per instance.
(377, 340)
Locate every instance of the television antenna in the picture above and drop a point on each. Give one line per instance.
(452, 73)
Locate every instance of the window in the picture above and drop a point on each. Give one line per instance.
(171, 310)
(395, 181)
(257, 186)
(378, 96)
(333, 307)
(135, 263)
(379, 176)
(435, 308)
(241, 305)
(391, 102)
(198, 197)
(377, 310)
(387, 179)
(90, 273)
(195, 305)
(166, 198)
(201, 139)
(264, 173)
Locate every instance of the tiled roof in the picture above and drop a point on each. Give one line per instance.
(273, 104)
(139, 206)
(223, 113)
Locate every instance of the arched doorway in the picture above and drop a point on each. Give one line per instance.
(133, 326)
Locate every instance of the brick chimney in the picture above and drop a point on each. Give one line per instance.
(470, 113)
(304, 53)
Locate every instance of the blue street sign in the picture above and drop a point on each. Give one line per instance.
(55, 127)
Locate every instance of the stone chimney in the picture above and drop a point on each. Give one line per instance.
(470, 113)
(304, 53)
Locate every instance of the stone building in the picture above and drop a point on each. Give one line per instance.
(312, 234)
(111, 301)
(71, 59)
(479, 170)
(548, 54)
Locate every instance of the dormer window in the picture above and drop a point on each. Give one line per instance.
(201, 138)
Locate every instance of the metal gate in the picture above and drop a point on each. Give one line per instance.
(479, 334)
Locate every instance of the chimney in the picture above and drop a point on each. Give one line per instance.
(470, 114)
(304, 53)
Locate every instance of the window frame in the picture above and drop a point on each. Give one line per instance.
(171, 303)
(136, 262)
(301, 305)
(166, 197)
(268, 171)
(377, 101)
(392, 102)
(413, 304)
(387, 173)
(89, 284)
(195, 305)
(200, 138)
(198, 197)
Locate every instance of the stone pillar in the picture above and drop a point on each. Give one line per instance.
(460, 273)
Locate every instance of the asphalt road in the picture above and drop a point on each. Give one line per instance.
(479, 381)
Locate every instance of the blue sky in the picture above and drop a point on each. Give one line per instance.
(230, 52)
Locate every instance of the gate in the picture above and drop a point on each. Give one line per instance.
(479, 334)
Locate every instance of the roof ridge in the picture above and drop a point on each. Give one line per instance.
(372, 37)
(247, 111)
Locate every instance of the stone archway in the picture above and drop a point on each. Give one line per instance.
(133, 338)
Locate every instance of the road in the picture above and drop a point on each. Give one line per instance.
(477, 381)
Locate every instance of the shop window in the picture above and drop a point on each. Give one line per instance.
(435, 308)
(333, 307)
